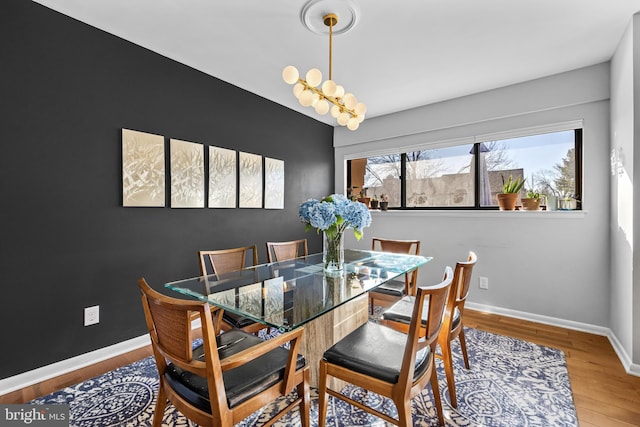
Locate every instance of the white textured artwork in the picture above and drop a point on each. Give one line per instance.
(187, 174)
(273, 183)
(250, 299)
(222, 178)
(274, 300)
(250, 180)
(142, 169)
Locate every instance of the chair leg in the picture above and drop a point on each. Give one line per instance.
(463, 347)
(305, 404)
(161, 405)
(322, 395)
(436, 392)
(404, 414)
(447, 360)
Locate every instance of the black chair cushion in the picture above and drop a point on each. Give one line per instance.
(392, 287)
(402, 310)
(240, 383)
(236, 320)
(377, 351)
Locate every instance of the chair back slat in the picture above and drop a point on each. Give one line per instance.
(459, 289)
(419, 334)
(463, 277)
(282, 251)
(411, 247)
(173, 329)
(225, 260)
(436, 300)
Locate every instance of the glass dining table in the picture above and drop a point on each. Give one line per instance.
(289, 294)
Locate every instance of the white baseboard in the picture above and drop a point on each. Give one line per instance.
(7, 385)
(630, 368)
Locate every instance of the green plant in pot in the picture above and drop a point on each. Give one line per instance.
(509, 197)
(363, 197)
(532, 201)
(384, 202)
(374, 202)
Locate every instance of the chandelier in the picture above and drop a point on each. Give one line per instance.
(345, 107)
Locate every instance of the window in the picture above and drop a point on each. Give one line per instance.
(469, 176)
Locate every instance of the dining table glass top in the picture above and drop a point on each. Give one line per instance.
(288, 294)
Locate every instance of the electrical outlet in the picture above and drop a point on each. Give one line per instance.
(483, 283)
(91, 315)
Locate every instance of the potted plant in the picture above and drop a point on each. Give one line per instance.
(363, 197)
(567, 202)
(532, 201)
(384, 202)
(351, 193)
(509, 197)
(374, 202)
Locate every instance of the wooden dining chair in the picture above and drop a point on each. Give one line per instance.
(224, 261)
(390, 292)
(388, 362)
(282, 251)
(399, 316)
(229, 376)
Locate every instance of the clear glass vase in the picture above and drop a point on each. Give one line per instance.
(333, 252)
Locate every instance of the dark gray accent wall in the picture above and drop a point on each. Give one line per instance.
(66, 91)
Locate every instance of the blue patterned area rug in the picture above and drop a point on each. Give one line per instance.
(511, 383)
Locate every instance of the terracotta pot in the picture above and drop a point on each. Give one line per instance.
(364, 200)
(507, 201)
(531, 204)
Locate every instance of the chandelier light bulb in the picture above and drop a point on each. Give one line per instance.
(315, 99)
(353, 123)
(360, 118)
(343, 118)
(350, 101)
(306, 98)
(329, 87)
(314, 77)
(322, 107)
(339, 91)
(335, 111)
(297, 89)
(290, 74)
(360, 109)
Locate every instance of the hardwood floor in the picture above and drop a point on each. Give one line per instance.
(46, 387)
(604, 395)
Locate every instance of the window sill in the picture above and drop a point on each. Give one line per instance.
(483, 214)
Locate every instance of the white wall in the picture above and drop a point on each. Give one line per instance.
(622, 191)
(548, 264)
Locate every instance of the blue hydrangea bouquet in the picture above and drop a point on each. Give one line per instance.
(333, 215)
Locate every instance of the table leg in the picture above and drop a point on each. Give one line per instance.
(328, 329)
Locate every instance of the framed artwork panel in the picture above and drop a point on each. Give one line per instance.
(223, 173)
(250, 180)
(143, 175)
(187, 174)
(273, 183)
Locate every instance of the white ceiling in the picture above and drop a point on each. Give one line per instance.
(400, 54)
